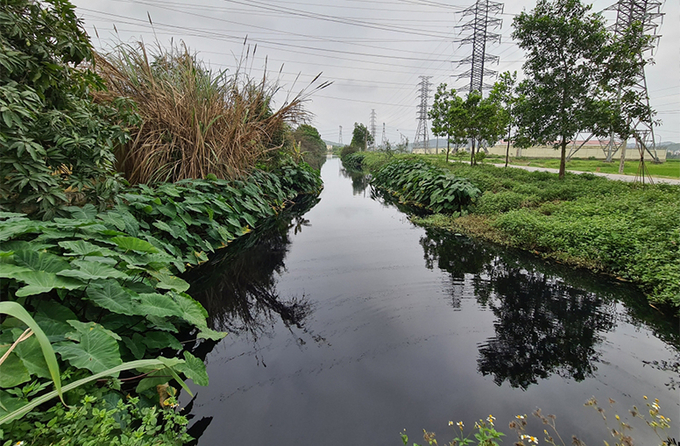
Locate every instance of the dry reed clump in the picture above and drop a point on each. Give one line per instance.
(194, 121)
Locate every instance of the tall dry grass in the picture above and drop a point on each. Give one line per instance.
(195, 121)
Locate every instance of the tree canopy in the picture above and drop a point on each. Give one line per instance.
(311, 145)
(565, 63)
(361, 137)
(475, 118)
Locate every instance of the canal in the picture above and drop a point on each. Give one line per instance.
(349, 324)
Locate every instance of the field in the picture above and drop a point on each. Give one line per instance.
(669, 169)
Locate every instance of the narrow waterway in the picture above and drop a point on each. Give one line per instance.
(350, 324)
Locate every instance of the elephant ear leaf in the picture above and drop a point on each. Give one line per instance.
(88, 271)
(40, 261)
(110, 295)
(96, 348)
(38, 282)
(134, 244)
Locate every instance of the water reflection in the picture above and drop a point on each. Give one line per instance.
(544, 325)
(238, 287)
(360, 181)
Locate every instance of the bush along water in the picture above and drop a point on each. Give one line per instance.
(103, 289)
(422, 185)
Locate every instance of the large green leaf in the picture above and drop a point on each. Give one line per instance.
(9, 271)
(158, 340)
(166, 281)
(194, 369)
(39, 282)
(210, 334)
(110, 295)
(153, 304)
(40, 261)
(83, 248)
(96, 350)
(12, 371)
(31, 356)
(88, 271)
(192, 311)
(134, 244)
(17, 311)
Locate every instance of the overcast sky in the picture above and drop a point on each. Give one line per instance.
(372, 51)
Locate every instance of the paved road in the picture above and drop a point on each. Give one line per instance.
(611, 176)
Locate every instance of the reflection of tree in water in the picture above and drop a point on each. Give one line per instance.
(544, 325)
(238, 287)
(360, 180)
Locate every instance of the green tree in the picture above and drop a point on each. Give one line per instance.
(475, 118)
(310, 143)
(564, 67)
(361, 137)
(55, 142)
(625, 105)
(446, 104)
(503, 93)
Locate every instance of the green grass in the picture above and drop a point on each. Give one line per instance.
(669, 169)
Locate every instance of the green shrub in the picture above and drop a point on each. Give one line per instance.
(109, 420)
(420, 184)
(56, 144)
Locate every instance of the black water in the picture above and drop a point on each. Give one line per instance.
(349, 324)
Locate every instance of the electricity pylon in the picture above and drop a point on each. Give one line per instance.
(629, 12)
(340, 136)
(373, 124)
(481, 24)
(384, 137)
(421, 132)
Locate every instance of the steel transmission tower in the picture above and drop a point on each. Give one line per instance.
(384, 137)
(629, 12)
(340, 136)
(373, 124)
(421, 133)
(480, 25)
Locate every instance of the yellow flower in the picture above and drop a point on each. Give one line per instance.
(460, 425)
(450, 423)
(490, 419)
(520, 417)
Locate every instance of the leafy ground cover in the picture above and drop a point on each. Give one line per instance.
(103, 288)
(622, 229)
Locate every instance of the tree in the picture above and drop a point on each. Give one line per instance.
(565, 46)
(312, 146)
(503, 93)
(475, 118)
(446, 102)
(361, 137)
(625, 105)
(482, 121)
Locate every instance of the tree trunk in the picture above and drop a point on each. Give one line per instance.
(507, 151)
(563, 159)
(448, 147)
(623, 156)
(472, 153)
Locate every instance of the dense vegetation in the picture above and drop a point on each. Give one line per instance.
(93, 312)
(613, 227)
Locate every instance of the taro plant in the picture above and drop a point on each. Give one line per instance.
(101, 297)
(420, 184)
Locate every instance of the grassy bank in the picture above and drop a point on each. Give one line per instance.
(668, 169)
(617, 228)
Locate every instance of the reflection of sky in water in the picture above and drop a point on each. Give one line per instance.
(412, 328)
